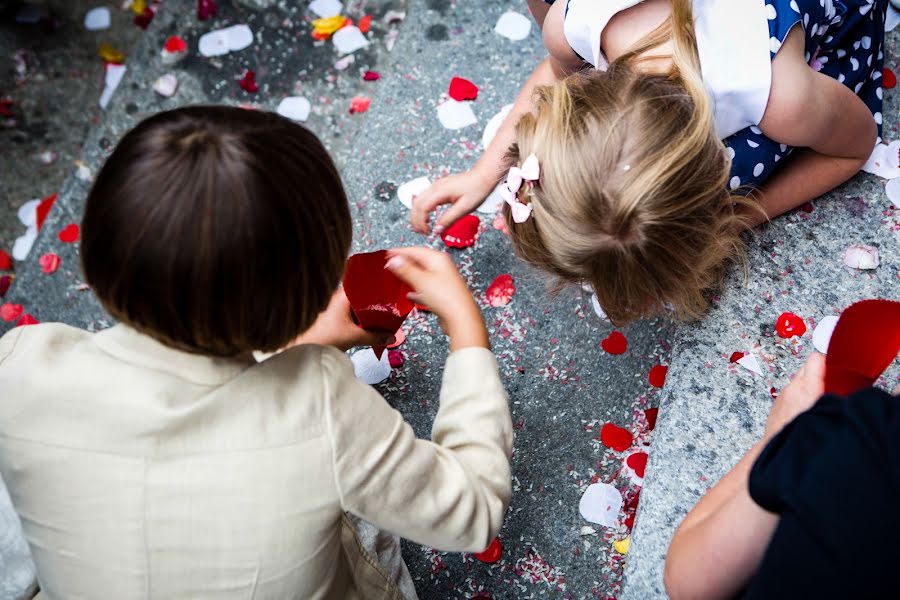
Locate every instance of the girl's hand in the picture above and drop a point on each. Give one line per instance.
(336, 327)
(464, 192)
(804, 390)
(439, 286)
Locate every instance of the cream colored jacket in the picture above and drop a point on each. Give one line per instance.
(143, 472)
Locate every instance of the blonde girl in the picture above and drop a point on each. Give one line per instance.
(635, 141)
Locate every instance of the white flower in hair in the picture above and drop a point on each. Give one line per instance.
(530, 172)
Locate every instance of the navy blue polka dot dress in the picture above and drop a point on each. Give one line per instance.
(844, 40)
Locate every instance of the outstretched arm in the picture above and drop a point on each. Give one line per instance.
(811, 110)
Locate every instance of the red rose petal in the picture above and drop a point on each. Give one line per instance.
(615, 343)
(629, 521)
(736, 356)
(248, 82)
(462, 89)
(359, 104)
(807, 207)
(43, 209)
(651, 414)
(371, 76)
(615, 437)
(890, 80)
(5, 282)
(492, 553)
(365, 24)
(789, 325)
(462, 233)
(501, 292)
(69, 233)
(10, 312)
(143, 20)
(49, 263)
(206, 9)
(175, 44)
(658, 375)
(638, 463)
(395, 357)
(26, 319)
(5, 261)
(6, 107)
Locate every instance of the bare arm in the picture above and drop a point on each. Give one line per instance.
(811, 110)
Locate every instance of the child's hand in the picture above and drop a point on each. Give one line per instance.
(438, 286)
(804, 390)
(464, 192)
(336, 327)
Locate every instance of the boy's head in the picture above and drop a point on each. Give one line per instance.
(632, 193)
(217, 230)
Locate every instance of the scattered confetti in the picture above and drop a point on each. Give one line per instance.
(407, 192)
(110, 54)
(371, 76)
(173, 50)
(490, 130)
(615, 437)
(348, 40)
(166, 85)
(69, 233)
(222, 41)
(749, 362)
(600, 504)
(789, 325)
(455, 115)
(47, 157)
(97, 19)
(296, 108)
(615, 343)
(369, 368)
(49, 263)
(248, 82)
(860, 256)
(822, 333)
(501, 291)
(326, 8)
(622, 546)
(114, 75)
(10, 312)
(462, 234)
(360, 104)
(324, 28)
(658, 375)
(206, 9)
(513, 26)
(462, 89)
(492, 553)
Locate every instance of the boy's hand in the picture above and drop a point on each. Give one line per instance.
(438, 286)
(336, 327)
(464, 192)
(804, 390)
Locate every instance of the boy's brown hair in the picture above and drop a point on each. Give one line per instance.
(217, 230)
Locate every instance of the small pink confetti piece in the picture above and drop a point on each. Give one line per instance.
(359, 104)
(49, 263)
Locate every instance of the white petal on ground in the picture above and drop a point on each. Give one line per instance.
(368, 368)
(880, 162)
(28, 213)
(222, 41)
(326, 8)
(601, 504)
(239, 37)
(750, 363)
(295, 108)
(349, 39)
(114, 75)
(860, 256)
(595, 302)
(892, 189)
(166, 85)
(587, 530)
(490, 130)
(456, 115)
(411, 189)
(822, 334)
(22, 245)
(97, 19)
(492, 202)
(513, 26)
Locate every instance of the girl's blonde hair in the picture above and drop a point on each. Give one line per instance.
(632, 194)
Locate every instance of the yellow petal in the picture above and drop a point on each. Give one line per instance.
(622, 546)
(110, 54)
(139, 6)
(328, 25)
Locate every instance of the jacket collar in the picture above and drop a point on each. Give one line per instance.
(130, 346)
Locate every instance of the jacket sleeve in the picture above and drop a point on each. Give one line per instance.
(451, 492)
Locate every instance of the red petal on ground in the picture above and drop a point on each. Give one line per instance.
(638, 463)
(365, 24)
(5, 282)
(462, 233)
(658, 375)
(10, 312)
(371, 76)
(501, 292)
(789, 325)
(5, 261)
(462, 89)
(890, 80)
(615, 437)
(43, 209)
(395, 357)
(248, 83)
(736, 356)
(615, 343)
(492, 553)
(651, 414)
(360, 104)
(26, 319)
(143, 20)
(175, 44)
(49, 263)
(206, 9)
(69, 233)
